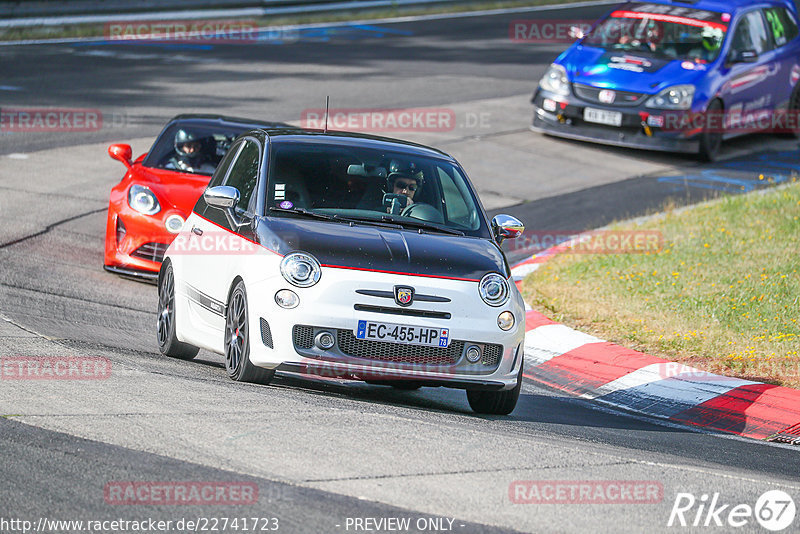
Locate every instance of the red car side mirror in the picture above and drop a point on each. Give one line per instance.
(121, 153)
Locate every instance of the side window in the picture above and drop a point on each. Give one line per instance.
(751, 34)
(781, 24)
(456, 207)
(222, 168)
(244, 172)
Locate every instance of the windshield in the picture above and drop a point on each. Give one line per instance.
(192, 147)
(666, 31)
(371, 185)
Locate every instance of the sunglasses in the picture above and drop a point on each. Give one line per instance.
(410, 186)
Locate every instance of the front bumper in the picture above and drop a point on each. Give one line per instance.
(334, 306)
(567, 121)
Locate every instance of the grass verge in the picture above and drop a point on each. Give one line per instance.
(72, 31)
(721, 294)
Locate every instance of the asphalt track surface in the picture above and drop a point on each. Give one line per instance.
(321, 451)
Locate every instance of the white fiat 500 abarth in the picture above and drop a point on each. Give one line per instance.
(349, 256)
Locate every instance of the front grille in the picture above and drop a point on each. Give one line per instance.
(492, 354)
(402, 311)
(398, 352)
(151, 251)
(303, 337)
(266, 333)
(621, 98)
(791, 436)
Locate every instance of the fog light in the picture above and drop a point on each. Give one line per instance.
(324, 340)
(174, 223)
(505, 320)
(473, 354)
(286, 298)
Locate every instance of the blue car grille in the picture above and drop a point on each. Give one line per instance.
(621, 98)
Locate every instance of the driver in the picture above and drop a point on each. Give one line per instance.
(189, 154)
(404, 181)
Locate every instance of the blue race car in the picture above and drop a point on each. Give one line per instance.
(676, 76)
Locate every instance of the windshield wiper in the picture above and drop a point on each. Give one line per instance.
(306, 213)
(335, 217)
(422, 225)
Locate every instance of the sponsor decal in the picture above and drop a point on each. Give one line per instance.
(795, 75)
(286, 204)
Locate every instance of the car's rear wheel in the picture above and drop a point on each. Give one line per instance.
(237, 341)
(495, 402)
(711, 138)
(168, 342)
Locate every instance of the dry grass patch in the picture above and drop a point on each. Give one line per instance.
(722, 294)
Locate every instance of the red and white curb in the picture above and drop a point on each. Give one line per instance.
(594, 369)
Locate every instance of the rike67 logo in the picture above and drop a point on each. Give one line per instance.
(774, 510)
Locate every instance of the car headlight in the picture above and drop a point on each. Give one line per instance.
(675, 97)
(555, 80)
(143, 200)
(494, 289)
(301, 269)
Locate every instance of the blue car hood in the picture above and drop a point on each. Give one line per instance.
(627, 71)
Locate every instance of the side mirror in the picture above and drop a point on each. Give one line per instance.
(576, 32)
(506, 227)
(121, 152)
(743, 56)
(225, 198)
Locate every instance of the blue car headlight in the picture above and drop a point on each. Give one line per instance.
(555, 80)
(143, 200)
(674, 97)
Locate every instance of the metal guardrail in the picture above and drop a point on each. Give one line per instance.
(54, 12)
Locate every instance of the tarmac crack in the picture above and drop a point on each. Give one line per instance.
(470, 471)
(50, 227)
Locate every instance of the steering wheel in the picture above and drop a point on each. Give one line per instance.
(424, 212)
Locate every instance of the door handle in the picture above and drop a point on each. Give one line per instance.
(196, 230)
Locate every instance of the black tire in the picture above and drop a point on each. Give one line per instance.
(793, 113)
(237, 341)
(711, 141)
(495, 402)
(168, 342)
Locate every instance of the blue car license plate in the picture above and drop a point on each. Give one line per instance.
(398, 333)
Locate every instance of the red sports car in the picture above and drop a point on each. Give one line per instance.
(148, 207)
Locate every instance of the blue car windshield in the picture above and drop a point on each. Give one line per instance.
(664, 31)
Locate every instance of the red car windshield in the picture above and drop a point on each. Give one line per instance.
(670, 32)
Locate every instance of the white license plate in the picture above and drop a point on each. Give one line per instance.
(601, 116)
(399, 333)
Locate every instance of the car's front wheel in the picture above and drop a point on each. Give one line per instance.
(168, 342)
(495, 402)
(237, 341)
(711, 138)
